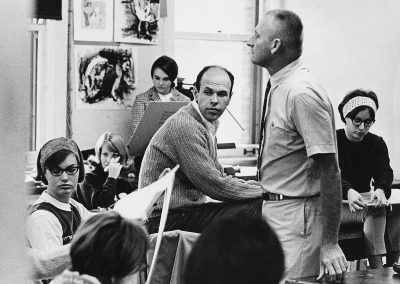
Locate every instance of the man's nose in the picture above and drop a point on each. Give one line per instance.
(214, 99)
(250, 42)
(362, 126)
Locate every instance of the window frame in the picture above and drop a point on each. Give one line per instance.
(255, 74)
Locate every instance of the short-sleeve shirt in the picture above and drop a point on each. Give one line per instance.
(299, 124)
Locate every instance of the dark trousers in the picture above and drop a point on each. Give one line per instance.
(197, 218)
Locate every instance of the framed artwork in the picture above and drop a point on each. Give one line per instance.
(93, 20)
(106, 76)
(137, 21)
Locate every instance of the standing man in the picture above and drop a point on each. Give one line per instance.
(298, 166)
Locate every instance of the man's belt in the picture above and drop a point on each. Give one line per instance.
(268, 196)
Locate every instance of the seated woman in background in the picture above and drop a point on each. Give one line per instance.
(363, 157)
(53, 219)
(236, 250)
(108, 247)
(163, 73)
(108, 181)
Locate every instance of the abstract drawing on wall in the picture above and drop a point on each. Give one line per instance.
(137, 21)
(106, 76)
(93, 20)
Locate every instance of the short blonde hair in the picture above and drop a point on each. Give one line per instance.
(115, 143)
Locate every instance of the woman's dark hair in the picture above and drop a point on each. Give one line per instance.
(107, 246)
(358, 93)
(168, 65)
(236, 250)
(197, 84)
(54, 160)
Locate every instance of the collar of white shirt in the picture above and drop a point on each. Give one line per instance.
(165, 98)
(45, 197)
(285, 72)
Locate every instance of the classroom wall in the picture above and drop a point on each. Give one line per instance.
(355, 44)
(87, 125)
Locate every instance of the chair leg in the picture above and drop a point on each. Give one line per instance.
(358, 265)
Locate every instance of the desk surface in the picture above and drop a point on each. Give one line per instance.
(371, 276)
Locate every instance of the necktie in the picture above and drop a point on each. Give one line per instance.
(262, 129)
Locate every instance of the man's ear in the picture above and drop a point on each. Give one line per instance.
(230, 97)
(276, 43)
(195, 92)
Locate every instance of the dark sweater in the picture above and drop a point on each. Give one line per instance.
(98, 190)
(362, 161)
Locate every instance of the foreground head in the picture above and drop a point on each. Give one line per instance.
(236, 250)
(110, 248)
(357, 111)
(163, 73)
(277, 36)
(213, 91)
(60, 166)
(110, 146)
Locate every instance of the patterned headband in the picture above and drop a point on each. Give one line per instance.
(54, 146)
(356, 102)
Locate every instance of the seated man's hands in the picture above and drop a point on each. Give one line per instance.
(355, 200)
(378, 198)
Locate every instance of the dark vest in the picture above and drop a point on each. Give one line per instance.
(69, 220)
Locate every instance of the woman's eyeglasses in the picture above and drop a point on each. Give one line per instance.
(69, 170)
(367, 122)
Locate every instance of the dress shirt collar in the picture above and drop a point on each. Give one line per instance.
(212, 127)
(285, 72)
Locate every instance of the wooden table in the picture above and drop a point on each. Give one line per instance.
(370, 276)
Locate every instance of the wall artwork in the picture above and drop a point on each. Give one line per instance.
(137, 21)
(106, 76)
(93, 20)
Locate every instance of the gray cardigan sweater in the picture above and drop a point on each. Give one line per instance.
(184, 140)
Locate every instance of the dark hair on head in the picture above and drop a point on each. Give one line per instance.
(197, 84)
(54, 160)
(108, 245)
(358, 93)
(168, 65)
(236, 250)
(291, 31)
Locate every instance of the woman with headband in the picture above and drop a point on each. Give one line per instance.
(364, 157)
(54, 217)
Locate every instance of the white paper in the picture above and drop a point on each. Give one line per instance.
(140, 203)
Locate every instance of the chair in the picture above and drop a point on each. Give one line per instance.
(351, 241)
(139, 205)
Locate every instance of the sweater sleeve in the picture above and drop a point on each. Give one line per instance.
(96, 194)
(48, 264)
(191, 145)
(138, 108)
(345, 187)
(382, 172)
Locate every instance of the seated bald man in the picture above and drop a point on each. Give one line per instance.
(188, 138)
